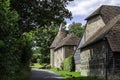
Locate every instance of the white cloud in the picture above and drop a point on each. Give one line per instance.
(85, 7)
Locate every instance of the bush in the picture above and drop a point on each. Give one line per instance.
(68, 64)
(45, 66)
(36, 58)
(15, 47)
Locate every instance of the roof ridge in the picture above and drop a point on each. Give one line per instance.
(108, 27)
(69, 40)
(105, 10)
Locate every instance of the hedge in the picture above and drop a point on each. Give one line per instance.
(15, 48)
(68, 64)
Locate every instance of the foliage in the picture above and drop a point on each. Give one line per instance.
(8, 28)
(36, 65)
(73, 75)
(15, 47)
(40, 13)
(76, 28)
(41, 66)
(68, 64)
(43, 40)
(66, 74)
(16, 37)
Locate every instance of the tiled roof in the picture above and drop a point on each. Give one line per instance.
(70, 40)
(61, 34)
(111, 31)
(107, 12)
(114, 37)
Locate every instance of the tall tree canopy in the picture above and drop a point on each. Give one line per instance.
(17, 34)
(76, 28)
(43, 39)
(40, 13)
(15, 47)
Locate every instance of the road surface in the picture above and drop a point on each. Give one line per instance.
(37, 74)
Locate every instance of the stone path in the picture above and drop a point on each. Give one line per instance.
(37, 74)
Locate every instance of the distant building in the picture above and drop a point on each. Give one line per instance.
(100, 53)
(62, 47)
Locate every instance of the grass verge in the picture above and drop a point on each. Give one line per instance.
(73, 75)
(36, 65)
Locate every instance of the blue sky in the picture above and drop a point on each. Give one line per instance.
(82, 8)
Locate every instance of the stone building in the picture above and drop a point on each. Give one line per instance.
(77, 54)
(100, 53)
(62, 47)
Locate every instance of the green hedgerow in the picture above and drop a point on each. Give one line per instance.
(68, 64)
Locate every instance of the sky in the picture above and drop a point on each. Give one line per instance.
(82, 8)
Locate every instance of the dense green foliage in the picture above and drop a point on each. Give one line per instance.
(76, 28)
(40, 66)
(33, 18)
(40, 13)
(66, 74)
(8, 56)
(68, 64)
(15, 51)
(73, 75)
(43, 40)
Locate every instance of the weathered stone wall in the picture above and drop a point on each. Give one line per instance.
(93, 60)
(77, 68)
(62, 53)
(58, 57)
(84, 60)
(99, 60)
(114, 69)
(93, 25)
(52, 57)
(77, 53)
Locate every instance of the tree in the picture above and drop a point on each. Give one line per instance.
(76, 28)
(43, 40)
(40, 13)
(8, 31)
(15, 47)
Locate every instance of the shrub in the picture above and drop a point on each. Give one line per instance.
(15, 47)
(36, 58)
(68, 64)
(48, 66)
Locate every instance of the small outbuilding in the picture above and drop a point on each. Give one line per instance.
(62, 47)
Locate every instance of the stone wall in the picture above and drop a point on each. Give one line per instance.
(77, 53)
(77, 68)
(58, 57)
(93, 60)
(114, 69)
(84, 60)
(99, 60)
(93, 25)
(52, 57)
(62, 53)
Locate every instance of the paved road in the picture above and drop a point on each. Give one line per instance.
(44, 75)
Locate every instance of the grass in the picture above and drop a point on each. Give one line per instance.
(73, 75)
(66, 74)
(40, 66)
(36, 65)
